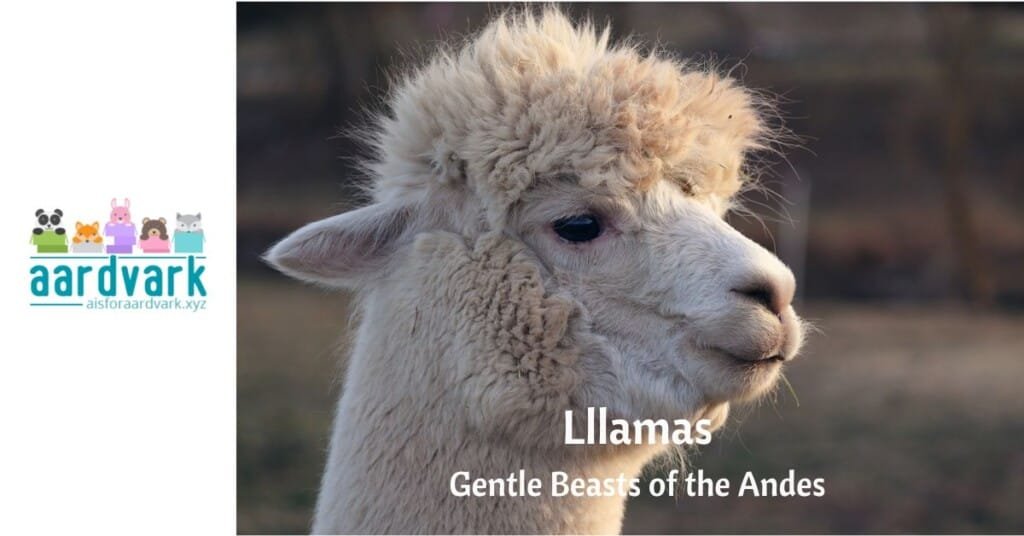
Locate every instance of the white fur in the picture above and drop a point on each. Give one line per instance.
(480, 326)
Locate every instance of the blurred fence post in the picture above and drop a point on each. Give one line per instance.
(955, 35)
(792, 241)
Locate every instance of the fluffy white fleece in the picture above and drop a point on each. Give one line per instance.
(533, 95)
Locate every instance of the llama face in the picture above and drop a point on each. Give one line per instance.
(683, 313)
(698, 313)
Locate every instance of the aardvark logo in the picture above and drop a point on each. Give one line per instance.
(117, 265)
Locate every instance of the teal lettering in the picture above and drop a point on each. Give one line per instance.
(194, 275)
(82, 270)
(62, 280)
(154, 281)
(131, 277)
(41, 281)
(108, 278)
(171, 272)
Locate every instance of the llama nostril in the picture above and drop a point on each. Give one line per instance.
(763, 294)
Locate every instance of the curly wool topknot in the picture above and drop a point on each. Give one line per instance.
(533, 95)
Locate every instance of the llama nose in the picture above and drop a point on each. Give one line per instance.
(773, 292)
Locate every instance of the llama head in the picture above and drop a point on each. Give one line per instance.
(120, 213)
(613, 171)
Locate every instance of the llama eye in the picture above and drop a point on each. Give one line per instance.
(582, 228)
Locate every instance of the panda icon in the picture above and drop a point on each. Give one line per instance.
(49, 236)
(49, 221)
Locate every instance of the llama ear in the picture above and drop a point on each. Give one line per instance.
(341, 250)
(127, 203)
(113, 203)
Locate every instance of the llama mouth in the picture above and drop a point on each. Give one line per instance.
(760, 362)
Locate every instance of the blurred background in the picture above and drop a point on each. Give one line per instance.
(902, 216)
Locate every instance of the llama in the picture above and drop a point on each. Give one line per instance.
(545, 234)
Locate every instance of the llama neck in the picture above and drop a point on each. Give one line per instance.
(462, 363)
(393, 455)
(401, 433)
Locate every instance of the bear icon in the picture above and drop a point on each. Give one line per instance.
(154, 238)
